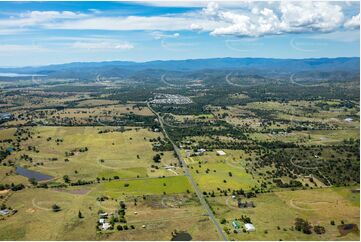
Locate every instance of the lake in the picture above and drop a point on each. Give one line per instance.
(181, 236)
(2, 74)
(38, 176)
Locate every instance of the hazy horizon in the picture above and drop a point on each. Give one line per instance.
(165, 60)
(43, 33)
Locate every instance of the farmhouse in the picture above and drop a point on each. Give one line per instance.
(249, 227)
(220, 152)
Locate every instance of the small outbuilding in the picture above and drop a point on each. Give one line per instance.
(249, 227)
(236, 224)
(4, 212)
(220, 152)
(6, 117)
(201, 150)
(102, 220)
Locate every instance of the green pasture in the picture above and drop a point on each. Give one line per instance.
(167, 185)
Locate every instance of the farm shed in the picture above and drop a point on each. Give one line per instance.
(220, 152)
(102, 220)
(249, 227)
(201, 150)
(4, 212)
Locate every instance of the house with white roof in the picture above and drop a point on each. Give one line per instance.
(106, 226)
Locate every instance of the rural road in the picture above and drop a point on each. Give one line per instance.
(292, 80)
(312, 168)
(231, 83)
(190, 178)
(167, 83)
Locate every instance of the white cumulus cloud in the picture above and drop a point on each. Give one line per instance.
(353, 23)
(34, 18)
(288, 17)
(244, 19)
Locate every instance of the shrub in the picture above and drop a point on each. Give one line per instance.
(303, 225)
(55, 208)
(319, 229)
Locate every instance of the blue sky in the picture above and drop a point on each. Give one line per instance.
(39, 33)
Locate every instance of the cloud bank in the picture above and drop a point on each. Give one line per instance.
(249, 19)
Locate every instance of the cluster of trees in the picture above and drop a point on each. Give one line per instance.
(3, 154)
(218, 128)
(224, 192)
(157, 158)
(292, 183)
(341, 169)
(160, 144)
(72, 152)
(305, 227)
(12, 186)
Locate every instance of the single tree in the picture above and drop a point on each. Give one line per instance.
(55, 208)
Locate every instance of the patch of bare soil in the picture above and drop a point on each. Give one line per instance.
(4, 191)
(76, 192)
(30, 210)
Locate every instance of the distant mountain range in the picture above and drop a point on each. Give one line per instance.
(127, 68)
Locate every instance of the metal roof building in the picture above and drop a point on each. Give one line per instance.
(249, 227)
